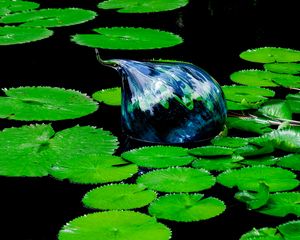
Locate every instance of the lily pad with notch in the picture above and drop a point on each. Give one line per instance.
(110, 96)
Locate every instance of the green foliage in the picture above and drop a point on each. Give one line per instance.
(141, 6)
(186, 207)
(118, 225)
(230, 142)
(128, 38)
(209, 151)
(159, 156)
(177, 179)
(110, 96)
(44, 103)
(290, 230)
(288, 68)
(50, 17)
(270, 55)
(250, 178)
(276, 109)
(262, 161)
(262, 234)
(16, 6)
(290, 161)
(293, 101)
(118, 197)
(249, 124)
(251, 150)
(18, 35)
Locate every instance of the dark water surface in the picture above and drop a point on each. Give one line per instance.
(215, 32)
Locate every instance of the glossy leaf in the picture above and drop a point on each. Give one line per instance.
(260, 161)
(293, 101)
(254, 78)
(16, 6)
(254, 151)
(230, 142)
(211, 151)
(177, 180)
(128, 38)
(110, 96)
(290, 230)
(186, 207)
(118, 197)
(288, 68)
(249, 124)
(262, 234)
(118, 225)
(276, 108)
(291, 161)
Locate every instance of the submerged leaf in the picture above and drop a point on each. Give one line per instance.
(128, 38)
(186, 207)
(110, 96)
(118, 225)
(289, 68)
(141, 6)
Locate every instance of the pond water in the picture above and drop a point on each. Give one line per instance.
(214, 33)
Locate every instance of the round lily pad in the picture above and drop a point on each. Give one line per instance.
(270, 55)
(22, 151)
(249, 124)
(282, 204)
(93, 169)
(211, 151)
(290, 161)
(254, 151)
(230, 142)
(140, 6)
(262, 234)
(50, 17)
(16, 6)
(117, 225)
(261, 161)
(290, 230)
(186, 207)
(159, 156)
(249, 178)
(177, 179)
(17, 35)
(44, 103)
(289, 68)
(110, 96)
(276, 108)
(118, 197)
(128, 38)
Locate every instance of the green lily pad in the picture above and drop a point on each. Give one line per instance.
(270, 55)
(110, 96)
(282, 204)
(230, 142)
(254, 151)
(240, 106)
(249, 178)
(93, 169)
(249, 124)
(288, 68)
(118, 197)
(44, 103)
(262, 234)
(22, 151)
(177, 179)
(129, 38)
(18, 35)
(159, 156)
(293, 101)
(291, 161)
(260, 161)
(290, 230)
(211, 151)
(16, 6)
(186, 207)
(117, 225)
(218, 164)
(276, 108)
(50, 17)
(140, 6)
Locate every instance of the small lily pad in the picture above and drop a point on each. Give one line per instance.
(291, 161)
(288, 68)
(230, 142)
(129, 38)
(249, 178)
(211, 151)
(159, 156)
(50, 17)
(118, 197)
(290, 230)
(186, 207)
(44, 103)
(276, 108)
(140, 6)
(17, 35)
(118, 225)
(110, 96)
(262, 234)
(270, 55)
(177, 179)
(249, 124)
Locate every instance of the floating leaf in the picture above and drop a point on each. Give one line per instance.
(209, 151)
(50, 17)
(235, 106)
(249, 178)
(282, 204)
(93, 169)
(290, 230)
(118, 225)
(276, 108)
(159, 156)
(110, 96)
(288, 68)
(254, 78)
(177, 180)
(249, 124)
(294, 102)
(218, 164)
(251, 151)
(270, 55)
(16, 6)
(186, 207)
(230, 142)
(127, 38)
(118, 196)
(140, 6)
(22, 151)
(262, 161)
(44, 103)
(290, 161)
(18, 35)
(262, 234)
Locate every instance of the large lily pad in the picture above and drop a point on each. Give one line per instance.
(128, 38)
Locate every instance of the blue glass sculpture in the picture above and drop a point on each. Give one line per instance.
(169, 102)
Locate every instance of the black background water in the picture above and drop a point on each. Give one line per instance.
(215, 32)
